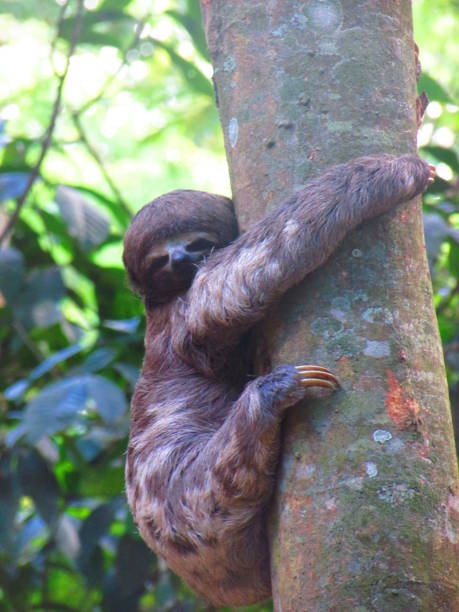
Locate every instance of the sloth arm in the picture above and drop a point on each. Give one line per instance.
(235, 286)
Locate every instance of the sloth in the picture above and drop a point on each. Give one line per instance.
(205, 433)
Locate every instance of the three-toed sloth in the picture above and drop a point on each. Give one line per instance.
(204, 441)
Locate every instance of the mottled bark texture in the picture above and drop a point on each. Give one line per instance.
(367, 507)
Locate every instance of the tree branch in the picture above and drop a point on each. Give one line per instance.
(98, 159)
(76, 117)
(22, 333)
(52, 124)
(138, 32)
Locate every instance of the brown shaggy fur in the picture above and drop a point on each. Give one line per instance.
(204, 440)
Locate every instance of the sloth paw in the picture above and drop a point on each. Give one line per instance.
(316, 376)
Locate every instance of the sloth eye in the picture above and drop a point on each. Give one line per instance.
(158, 263)
(200, 244)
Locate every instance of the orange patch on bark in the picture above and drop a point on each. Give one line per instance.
(402, 410)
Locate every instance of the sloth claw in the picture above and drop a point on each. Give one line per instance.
(432, 174)
(316, 376)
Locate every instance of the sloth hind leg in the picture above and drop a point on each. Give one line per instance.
(245, 449)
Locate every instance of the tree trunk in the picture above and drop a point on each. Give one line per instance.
(366, 511)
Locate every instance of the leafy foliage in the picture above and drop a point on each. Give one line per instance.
(136, 118)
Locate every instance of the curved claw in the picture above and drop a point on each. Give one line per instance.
(316, 376)
(312, 367)
(432, 174)
(317, 382)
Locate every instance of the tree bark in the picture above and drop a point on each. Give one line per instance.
(366, 511)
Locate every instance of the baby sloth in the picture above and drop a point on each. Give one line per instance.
(204, 441)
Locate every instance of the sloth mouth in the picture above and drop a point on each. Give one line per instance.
(184, 267)
(184, 272)
(167, 284)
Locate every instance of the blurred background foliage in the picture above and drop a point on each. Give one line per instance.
(105, 104)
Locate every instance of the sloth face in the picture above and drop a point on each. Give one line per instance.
(172, 264)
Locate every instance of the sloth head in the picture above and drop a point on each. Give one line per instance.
(169, 237)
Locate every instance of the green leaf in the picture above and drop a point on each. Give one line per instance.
(12, 184)
(38, 302)
(109, 255)
(109, 5)
(92, 567)
(31, 538)
(103, 27)
(15, 153)
(98, 359)
(67, 537)
(58, 357)
(448, 329)
(67, 588)
(126, 326)
(128, 372)
(439, 186)
(447, 156)
(92, 530)
(453, 259)
(435, 231)
(192, 75)
(56, 408)
(11, 273)
(165, 590)
(24, 9)
(39, 483)
(117, 212)
(134, 564)
(56, 226)
(17, 389)
(192, 22)
(9, 500)
(63, 404)
(3, 139)
(85, 222)
(433, 89)
(109, 399)
(104, 482)
(81, 284)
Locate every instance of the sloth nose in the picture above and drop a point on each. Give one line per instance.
(178, 257)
